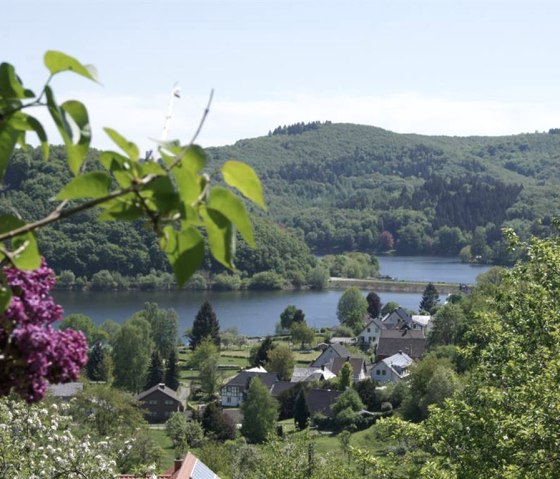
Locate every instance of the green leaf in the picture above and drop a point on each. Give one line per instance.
(186, 173)
(58, 62)
(29, 257)
(162, 193)
(241, 176)
(77, 151)
(119, 165)
(128, 147)
(185, 251)
(23, 122)
(72, 121)
(8, 140)
(221, 236)
(230, 206)
(95, 184)
(10, 85)
(121, 209)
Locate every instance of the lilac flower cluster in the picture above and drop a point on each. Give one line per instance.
(32, 352)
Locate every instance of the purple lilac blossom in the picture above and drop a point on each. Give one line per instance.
(32, 352)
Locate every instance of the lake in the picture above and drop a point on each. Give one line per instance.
(256, 313)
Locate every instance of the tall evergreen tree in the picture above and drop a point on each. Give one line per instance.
(259, 355)
(215, 424)
(98, 366)
(301, 410)
(156, 374)
(374, 304)
(430, 299)
(205, 325)
(172, 371)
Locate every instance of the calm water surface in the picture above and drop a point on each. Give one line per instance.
(256, 313)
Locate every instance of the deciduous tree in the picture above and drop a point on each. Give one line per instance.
(352, 308)
(281, 361)
(260, 412)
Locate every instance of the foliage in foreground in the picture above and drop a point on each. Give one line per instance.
(36, 441)
(504, 423)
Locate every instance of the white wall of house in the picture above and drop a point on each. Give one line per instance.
(370, 335)
(232, 396)
(384, 374)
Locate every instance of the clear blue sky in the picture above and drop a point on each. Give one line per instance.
(436, 67)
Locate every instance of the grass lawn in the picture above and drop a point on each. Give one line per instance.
(163, 441)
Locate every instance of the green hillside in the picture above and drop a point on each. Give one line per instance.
(340, 188)
(348, 187)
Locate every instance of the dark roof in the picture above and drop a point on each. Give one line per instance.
(281, 386)
(399, 316)
(341, 350)
(356, 363)
(242, 379)
(161, 388)
(321, 400)
(377, 321)
(409, 341)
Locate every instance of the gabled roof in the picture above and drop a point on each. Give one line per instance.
(398, 316)
(188, 468)
(376, 322)
(358, 364)
(311, 374)
(281, 386)
(409, 341)
(340, 350)
(421, 320)
(321, 400)
(401, 360)
(242, 379)
(161, 388)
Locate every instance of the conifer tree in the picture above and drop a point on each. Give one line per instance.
(172, 371)
(430, 299)
(205, 325)
(215, 424)
(156, 374)
(99, 365)
(301, 410)
(374, 304)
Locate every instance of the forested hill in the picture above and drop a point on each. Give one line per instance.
(350, 187)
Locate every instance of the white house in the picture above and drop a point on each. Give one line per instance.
(392, 369)
(233, 392)
(369, 336)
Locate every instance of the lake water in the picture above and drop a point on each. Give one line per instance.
(256, 313)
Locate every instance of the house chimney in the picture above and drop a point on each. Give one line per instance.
(161, 385)
(177, 464)
(322, 367)
(347, 358)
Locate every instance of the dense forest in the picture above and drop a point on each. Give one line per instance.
(331, 188)
(351, 187)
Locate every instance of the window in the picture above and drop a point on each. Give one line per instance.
(383, 373)
(152, 401)
(378, 372)
(369, 330)
(228, 399)
(168, 402)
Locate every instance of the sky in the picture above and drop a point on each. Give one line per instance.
(430, 67)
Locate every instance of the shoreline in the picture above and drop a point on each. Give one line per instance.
(394, 286)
